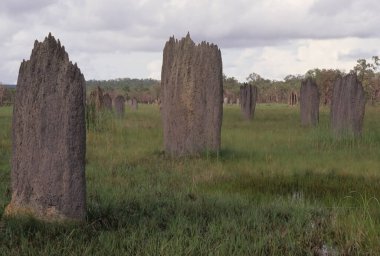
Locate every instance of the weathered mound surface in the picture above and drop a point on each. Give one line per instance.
(119, 103)
(309, 103)
(192, 97)
(49, 137)
(248, 97)
(348, 106)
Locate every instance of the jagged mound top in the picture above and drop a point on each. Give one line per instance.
(350, 78)
(49, 47)
(48, 58)
(308, 80)
(187, 40)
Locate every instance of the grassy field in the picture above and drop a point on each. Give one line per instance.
(276, 188)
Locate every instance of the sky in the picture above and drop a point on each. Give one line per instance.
(111, 39)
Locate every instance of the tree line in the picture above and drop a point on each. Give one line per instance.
(144, 90)
(269, 91)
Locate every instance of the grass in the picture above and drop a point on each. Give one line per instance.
(276, 188)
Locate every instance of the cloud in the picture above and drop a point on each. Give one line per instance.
(355, 54)
(154, 69)
(96, 32)
(331, 8)
(20, 7)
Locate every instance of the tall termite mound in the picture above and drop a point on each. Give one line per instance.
(348, 106)
(49, 137)
(309, 103)
(191, 96)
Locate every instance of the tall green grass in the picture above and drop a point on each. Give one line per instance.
(276, 188)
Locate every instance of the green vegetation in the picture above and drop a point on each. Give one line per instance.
(123, 83)
(275, 189)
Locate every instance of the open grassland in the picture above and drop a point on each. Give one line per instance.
(276, 188)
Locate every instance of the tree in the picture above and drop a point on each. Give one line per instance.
(366, 73)
(254, 77)
(363, 69)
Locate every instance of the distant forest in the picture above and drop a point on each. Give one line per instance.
(144, 90)
(148, 90)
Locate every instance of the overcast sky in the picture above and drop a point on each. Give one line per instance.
(125, 38)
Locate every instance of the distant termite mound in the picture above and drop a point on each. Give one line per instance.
(293, 98)
(119, 104)
(3, 92)
(134, 104)
(191, 97)
(107, 102)
(248, 97)
(97, 99)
